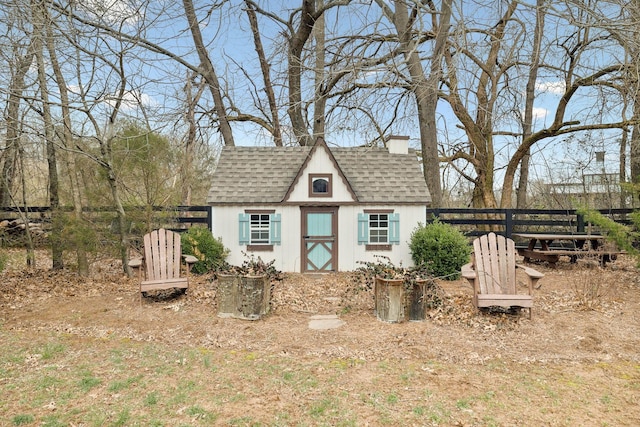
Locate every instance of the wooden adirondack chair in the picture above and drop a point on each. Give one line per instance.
(492, 273)
(160, 266)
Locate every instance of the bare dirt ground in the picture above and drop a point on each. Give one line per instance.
(579, 356)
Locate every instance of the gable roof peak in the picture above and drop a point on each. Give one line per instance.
(320, 143)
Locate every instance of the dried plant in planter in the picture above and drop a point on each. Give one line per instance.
(384, 269)
(433, 294)
(252, 266)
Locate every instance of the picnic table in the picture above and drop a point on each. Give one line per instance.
(573, 245)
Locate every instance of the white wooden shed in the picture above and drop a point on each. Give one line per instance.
(318, 209)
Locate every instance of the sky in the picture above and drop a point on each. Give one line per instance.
(231, 49)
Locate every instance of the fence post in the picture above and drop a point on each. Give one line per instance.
(508, 224)
(434, 212)
(580, 222)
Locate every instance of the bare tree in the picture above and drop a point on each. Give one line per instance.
(479, 129)
(208, 72)
(40, 22)
(527, 125)
(13, 128)
(65, 136)
(102, 84)
(579, 74)
(274, 127)
(423, 86)
(190, 139)
(300, 26)
(485, 64)
(627, 32)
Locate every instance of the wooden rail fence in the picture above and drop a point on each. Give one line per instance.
(474, 222)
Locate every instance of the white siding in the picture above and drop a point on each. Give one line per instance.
(320, 163)
(226, 227)
(351, 252)
(287, 254)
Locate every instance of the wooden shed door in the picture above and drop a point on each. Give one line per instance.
(319, 239)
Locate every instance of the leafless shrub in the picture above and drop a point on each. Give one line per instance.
(590, 291)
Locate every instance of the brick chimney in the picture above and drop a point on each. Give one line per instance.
(398, 144)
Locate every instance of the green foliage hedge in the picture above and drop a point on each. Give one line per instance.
(441, 248)
(210, 252)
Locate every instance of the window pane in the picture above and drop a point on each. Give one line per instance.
(320, 185)
(378, 228)
(260, 229)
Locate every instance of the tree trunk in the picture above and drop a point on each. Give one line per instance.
(527, 126)
(321, 100)
(634, 145)
(266, 74)
(190, 139)
(623, 169)
(67, 142)
(24, 214)
(296, 44)
(209, 73)
(12, 145)
(429, 135)
(49, 135)
(425, 91)
(106, 144)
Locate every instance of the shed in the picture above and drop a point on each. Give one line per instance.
(317, 209)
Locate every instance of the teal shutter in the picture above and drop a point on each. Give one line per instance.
(394, 228)
(244, 231)
(363, 229)
(274, 229)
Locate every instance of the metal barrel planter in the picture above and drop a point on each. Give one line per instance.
(389, 300)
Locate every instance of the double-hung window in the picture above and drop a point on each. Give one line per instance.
(259, 229)
(378, 229)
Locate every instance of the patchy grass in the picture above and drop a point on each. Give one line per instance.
(87, 352)
(97, 382)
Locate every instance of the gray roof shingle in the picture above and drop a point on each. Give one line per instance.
(262, 175)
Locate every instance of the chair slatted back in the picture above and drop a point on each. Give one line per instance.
(495, 260)
(162, 252)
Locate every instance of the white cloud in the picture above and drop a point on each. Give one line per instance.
(112, 11)
(540, 113)
(556, 88)
(132, 101)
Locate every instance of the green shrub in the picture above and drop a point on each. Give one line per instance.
(210, 252)
(622, 235)
(625, 237)
(441, 248)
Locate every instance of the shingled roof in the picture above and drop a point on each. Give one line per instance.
(263, 175)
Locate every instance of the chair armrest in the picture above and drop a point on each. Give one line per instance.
(534, 274)
(468, 272)
(189, 259)
(135, 263)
